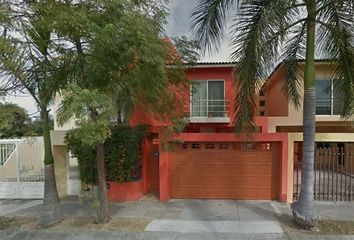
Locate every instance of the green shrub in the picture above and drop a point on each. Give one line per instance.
(122, 154)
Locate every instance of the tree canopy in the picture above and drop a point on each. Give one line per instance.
(128, 65)
(121, 61)
(16, 123)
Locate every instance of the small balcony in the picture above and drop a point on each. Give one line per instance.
(208, 111)
(329, 106)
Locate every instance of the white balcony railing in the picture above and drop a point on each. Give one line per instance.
(209, 111)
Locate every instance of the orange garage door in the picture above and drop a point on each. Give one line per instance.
(225, 171)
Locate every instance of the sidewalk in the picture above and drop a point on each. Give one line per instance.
(151, 208)
(179, 219)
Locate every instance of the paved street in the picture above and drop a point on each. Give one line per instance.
(179, 219)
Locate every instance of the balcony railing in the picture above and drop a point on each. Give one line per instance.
(329, 106)
(208, 109)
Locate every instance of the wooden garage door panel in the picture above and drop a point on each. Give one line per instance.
(207, 159)
(235, 174)
(225, 193)
(198, 192)
(257, 193)
(221, 181)
(257, 181)
(223, 169)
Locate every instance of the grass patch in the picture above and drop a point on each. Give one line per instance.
(323, 227)
(89, 223)
(25, 223)
(335, 227)
(6, 223)
(76, 224)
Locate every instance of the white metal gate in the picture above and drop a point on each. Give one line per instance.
(22, 168)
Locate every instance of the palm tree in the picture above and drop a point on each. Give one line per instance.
(269, 31)
(30, 66)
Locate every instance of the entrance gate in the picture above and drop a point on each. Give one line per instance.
(334, 171)
(22, 168)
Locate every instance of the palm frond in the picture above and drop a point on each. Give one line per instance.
(209, 22)
(336, 41)
(260, 29)
(294, 51)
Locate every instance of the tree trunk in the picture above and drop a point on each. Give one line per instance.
(104, 211)
(303, 209)
(51, 211)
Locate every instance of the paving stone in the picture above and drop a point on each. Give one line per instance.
(185, 226)
(128, 212)
(172, 214)
(209, 210)
(16, 207)
(255, 210)
(155, 214)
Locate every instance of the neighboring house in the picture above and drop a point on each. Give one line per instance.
(209, 161)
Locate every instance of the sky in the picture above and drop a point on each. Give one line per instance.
(178, 24)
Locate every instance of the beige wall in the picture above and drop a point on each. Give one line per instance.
(60, 161)
(61, 169)
(294, 117)
(58, 137)
(320, 137)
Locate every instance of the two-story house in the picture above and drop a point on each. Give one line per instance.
(209, 161)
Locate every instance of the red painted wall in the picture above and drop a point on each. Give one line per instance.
(140, 116)
(128, 191)
(222, 132)
(276, 102)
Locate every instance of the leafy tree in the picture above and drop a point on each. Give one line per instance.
(16, 123)
(13, 121)
(117, 67)
(34, 126)
(266, 31)
(32, 62)
(122, 154)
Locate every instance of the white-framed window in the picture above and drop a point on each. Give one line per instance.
(208, 98)
(329, 101)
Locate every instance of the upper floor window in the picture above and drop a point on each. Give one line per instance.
(208, 98)
(328, 99)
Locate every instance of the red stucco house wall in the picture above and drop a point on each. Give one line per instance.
(175, 175)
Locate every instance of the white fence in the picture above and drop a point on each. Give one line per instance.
(22, 168)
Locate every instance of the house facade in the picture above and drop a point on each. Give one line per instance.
(208, 160)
